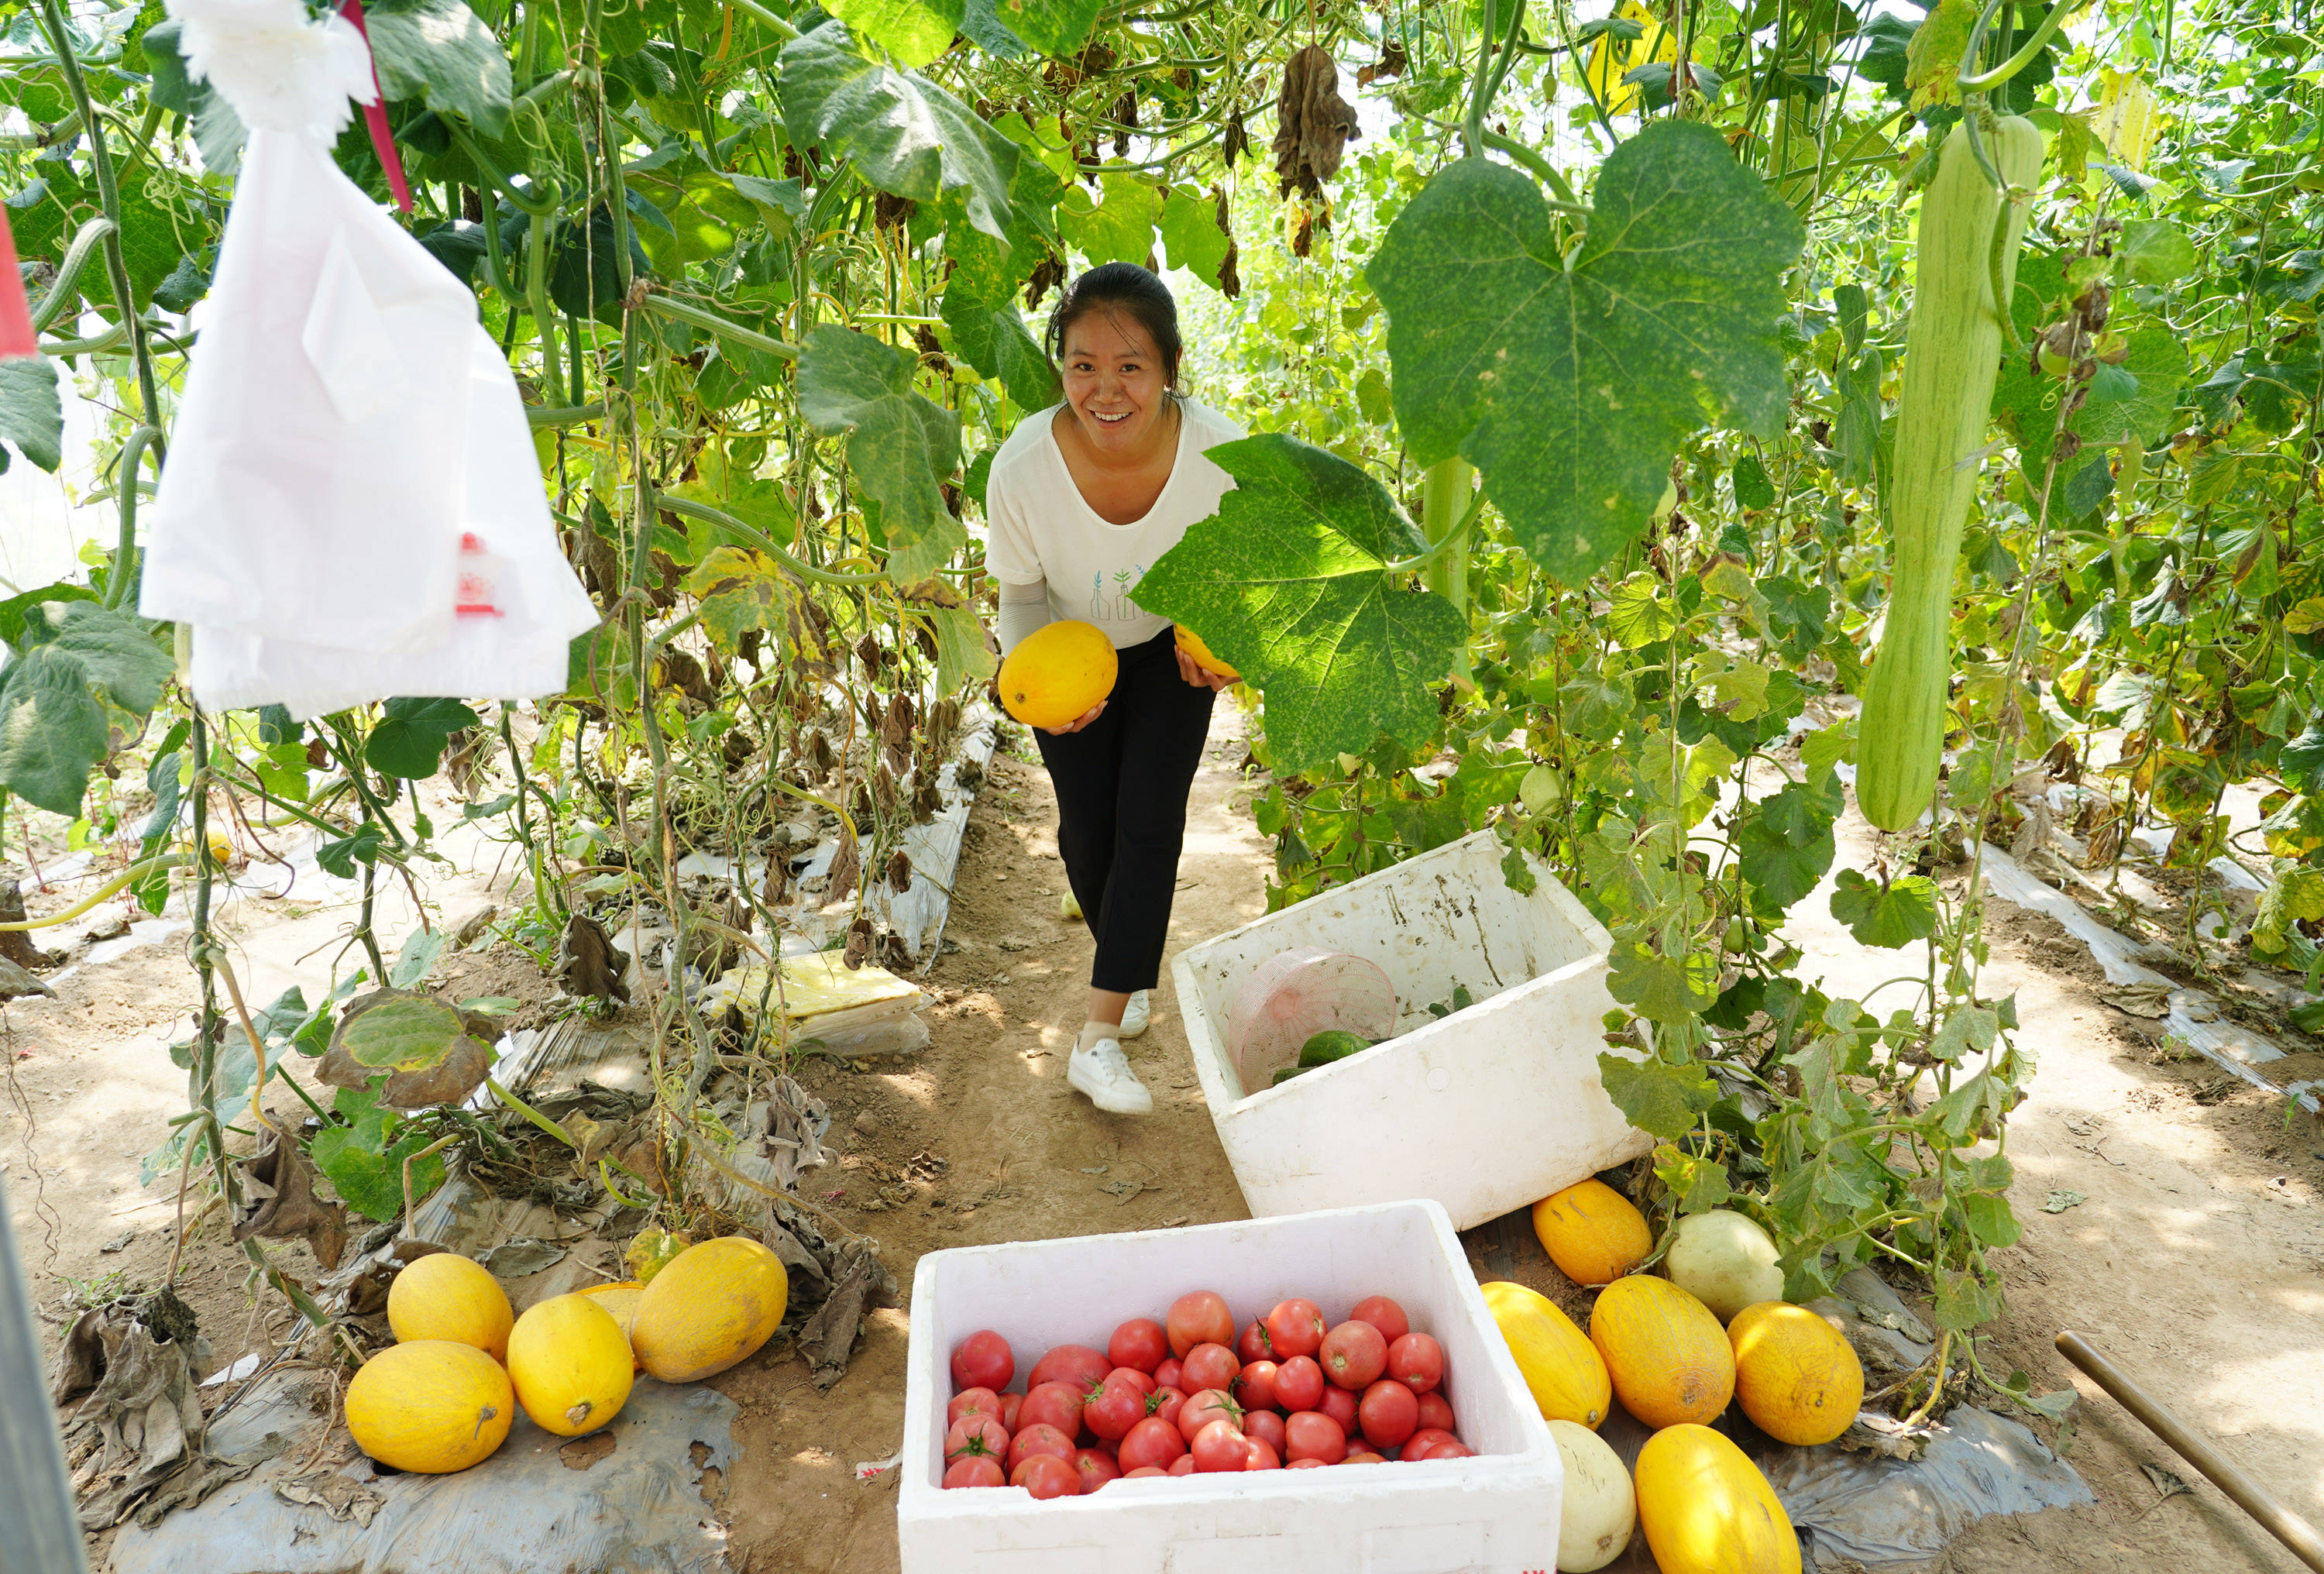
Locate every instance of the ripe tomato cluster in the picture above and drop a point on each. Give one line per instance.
(1189, 1394)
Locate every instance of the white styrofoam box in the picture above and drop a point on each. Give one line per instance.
(1488, 1109)
(1496, 1513)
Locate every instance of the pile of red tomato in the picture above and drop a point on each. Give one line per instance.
(1188, 1395)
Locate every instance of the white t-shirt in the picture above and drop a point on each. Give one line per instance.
(1039, 526)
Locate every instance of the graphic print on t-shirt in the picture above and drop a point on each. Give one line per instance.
(1109, 603)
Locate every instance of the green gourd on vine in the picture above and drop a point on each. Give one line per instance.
(1952, 355)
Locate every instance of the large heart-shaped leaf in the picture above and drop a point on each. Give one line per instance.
(31, 416)
(441, 53)
(1287, 583)
(904, 133)
(81, 664)
(1571, 384)
(899, 444)
(915, 32)
(409, 742)
(424, 1043)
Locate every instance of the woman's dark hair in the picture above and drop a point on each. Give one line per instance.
(1125, 287)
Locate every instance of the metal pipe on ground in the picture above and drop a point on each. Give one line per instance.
(2197, 1450)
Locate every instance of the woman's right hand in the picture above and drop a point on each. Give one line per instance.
(1078, 723)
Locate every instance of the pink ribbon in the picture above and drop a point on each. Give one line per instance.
(383, 142)
(16, 336)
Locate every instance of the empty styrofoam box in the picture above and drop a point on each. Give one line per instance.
(1495, 1514)
(1487, 1109)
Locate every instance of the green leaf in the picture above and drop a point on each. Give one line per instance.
(899, 444)
(409, 742)
(1786, 844)
(740, 591)
(986, 271)
(1289, 583)
(1054, 27)
(905, 134)
(340, 855)
(915, 32)
(1120, 229)
(1571, 388)
(1753, 490)
(32, 416)
(371, 1181)
(79, 663)
(1659, 988)
(1888, 917)
(1657, 1097)
(1516, 872)
(1824, 748)
(1194, 235)
(1965, 1300)
(421, 1042)
(441, 53)
(1969, 1030)
(1023, 368)
(963, 656)
(2154, 249)
(1638, 613)
(17, 611)
(781, 203)
(1699, 1183)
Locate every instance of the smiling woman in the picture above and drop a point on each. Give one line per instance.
(1084, 497)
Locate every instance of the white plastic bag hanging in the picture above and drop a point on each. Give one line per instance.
(352, 507)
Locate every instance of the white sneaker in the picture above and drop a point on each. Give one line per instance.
(1136, 1014)
(1102, 1073)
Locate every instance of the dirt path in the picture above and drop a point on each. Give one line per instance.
(2195, 1257)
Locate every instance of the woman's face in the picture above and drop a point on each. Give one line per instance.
(1114, 381)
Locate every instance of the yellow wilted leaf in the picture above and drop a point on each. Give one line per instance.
(2126, 119)
(1612, 59)
(1933, 59)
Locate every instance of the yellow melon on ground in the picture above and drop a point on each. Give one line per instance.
(1796, 1376)
(444, 1295)
(621, 1301)
(715, 1305)
(1594, 1233)
(433, 1405)
(1056, 673)
(571, 1365)
(1706, 1509)
(1192, 644)
(1562, 1369)
(1667, 1356)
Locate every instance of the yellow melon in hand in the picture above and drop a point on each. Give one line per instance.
(444, 1295)
(715, 1305)
(571, 1364)
(433, 1405)
(1056, 673)
(1192, 644)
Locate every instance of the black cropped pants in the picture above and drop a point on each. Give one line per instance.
(1122, 785)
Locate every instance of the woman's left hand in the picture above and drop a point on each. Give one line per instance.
(1193, 673)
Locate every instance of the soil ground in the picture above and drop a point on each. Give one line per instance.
(2196, 1258)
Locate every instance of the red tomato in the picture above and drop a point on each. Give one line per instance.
(1095, 1467)
(1170, 1373)
(980, 1471)
(1390, 1413)
(1045, 1476)
(1057, 1404)
(1421, 1441)
(1364, 1457)
(1184, 1464)
(982, 1361)
(976, 1436)
(983, 1401)
(1142, 1381)
(1383, 1314)
(1455, 1449)
(1211, 1405)
(1296, 1327)
(1341, 1406)
(1416, 1361)
(1254, 1385)
(1220, 1446)
(1118, 1407)
(1259, 1455)
(1304, 1464)
(1208, 1366)
(1010, 1404)
(1354, 1356)
(1166, 1402)
(1200, 1317)
(1140, 1342)
(1077, 1365)
(1313, 1435)
(1152, 1441)
(1038, 1439)
(1436, 1412)
(1254, 1344)
(1143, 1472)
(1298, 1384)
(1265, 1425)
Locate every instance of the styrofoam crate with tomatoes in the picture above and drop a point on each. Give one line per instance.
(1509, 1070)
(1342, 1400)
